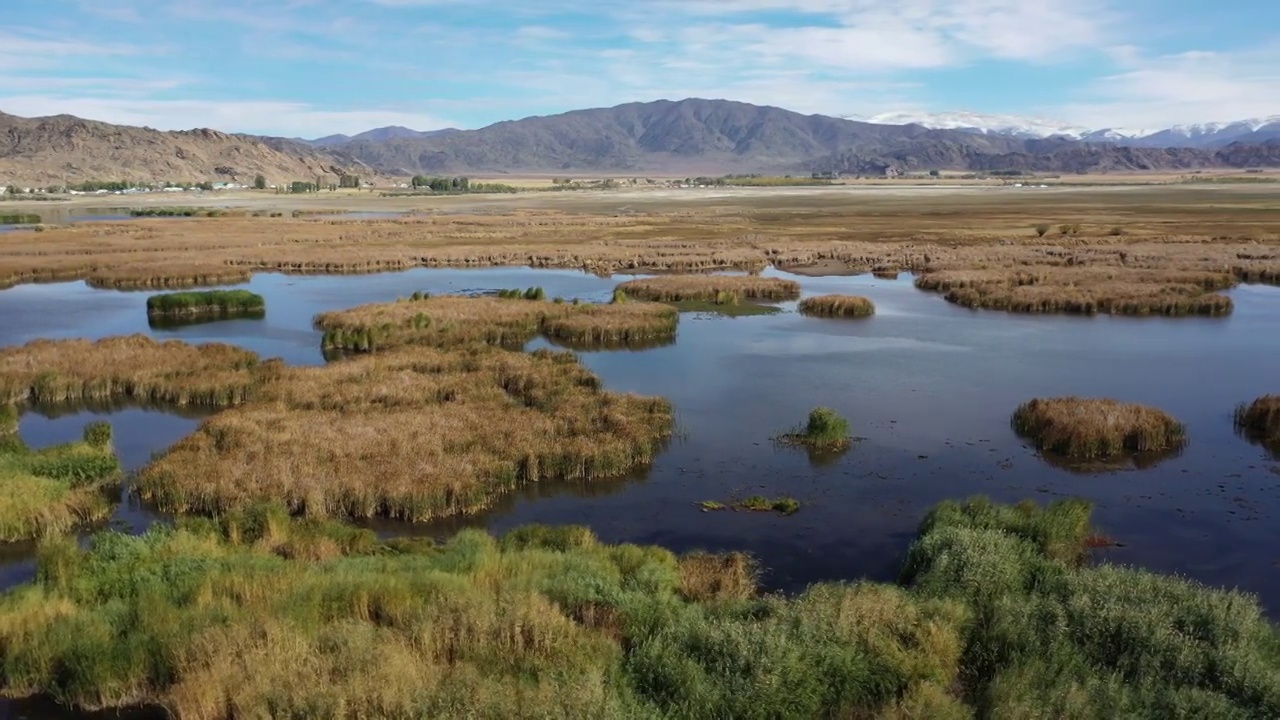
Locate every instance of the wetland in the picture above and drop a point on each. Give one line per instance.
(450, 425)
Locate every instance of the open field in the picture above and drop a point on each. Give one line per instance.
(1126, 250)
(257, 614)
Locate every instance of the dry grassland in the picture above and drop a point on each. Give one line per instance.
(837, 306)
(1135, 250)
(1097, 428)
(719, 289)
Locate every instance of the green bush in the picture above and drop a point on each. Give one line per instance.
(98, 434)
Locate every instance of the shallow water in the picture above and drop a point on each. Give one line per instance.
(928, 386)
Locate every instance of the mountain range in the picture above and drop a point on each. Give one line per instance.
(1205, 135)
(693, 136)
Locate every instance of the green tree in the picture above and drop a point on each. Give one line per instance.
(260, 183)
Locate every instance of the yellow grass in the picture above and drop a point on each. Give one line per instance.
(414, 433)
(837, 306)
(1089, 428)
(1164, 233)
(134, 367)
(450, 321)
(720, 289)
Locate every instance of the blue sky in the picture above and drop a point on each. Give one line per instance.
(314, 67)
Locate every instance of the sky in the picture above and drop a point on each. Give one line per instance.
(308, 68)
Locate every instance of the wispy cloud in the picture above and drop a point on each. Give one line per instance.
(318, 66)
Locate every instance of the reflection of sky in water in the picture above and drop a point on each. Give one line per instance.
(928, 386)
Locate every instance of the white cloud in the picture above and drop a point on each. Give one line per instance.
(1187, 87)
(266, 117)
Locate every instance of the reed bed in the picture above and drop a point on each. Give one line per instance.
(837, 306)
(1168, 233)
(1085, 291)
(54, 490)
(19, 219)
(718, 289)
(1260, 420)
(257, 614)
(136, 368)
(452, 321)
(414, 434)
(218, 303)
(1097, 428)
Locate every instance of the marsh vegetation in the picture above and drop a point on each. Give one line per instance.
(717, 289)
(837, 306)
(824, 431)
(261, 614)
(1260, 421)
(415, 433)
(453, 321)
(1097, 428)
(53, 490)
(205, 304)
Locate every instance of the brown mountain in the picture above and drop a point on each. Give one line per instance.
(53, 150)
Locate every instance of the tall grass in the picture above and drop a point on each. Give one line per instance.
(50, 491)
(19, 219)
(1097, 428)
(413, 433)
(136, 368)
(260, 615)
(224, 303)
(824, 430)
(1260, 420)
(451, 321)
(837, 306)
(719, 289)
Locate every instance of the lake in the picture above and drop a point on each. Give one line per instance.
(929, 388)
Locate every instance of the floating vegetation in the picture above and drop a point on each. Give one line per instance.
(837, 306)
(136, 368)
(533, 293)
(19, 219)
(452, 321)
(53, 490)
(1259, 421)
(206, 303)
(413, 434)
(717, 289)
(257, 614)
(825, 431)
(755, 503)
(1097, 428)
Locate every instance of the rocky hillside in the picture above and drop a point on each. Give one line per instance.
(53, 150)
(717, 136)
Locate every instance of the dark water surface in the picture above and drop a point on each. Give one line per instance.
(928, 386)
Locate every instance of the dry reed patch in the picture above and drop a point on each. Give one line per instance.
(452, 321)
(1097, 428)
(134, 367)
(720, 289)
(414, 433)
(705, 577)
(1260, 421)
(837, 306)
(1086, 291)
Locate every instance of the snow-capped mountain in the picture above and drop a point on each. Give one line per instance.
(1203, 135)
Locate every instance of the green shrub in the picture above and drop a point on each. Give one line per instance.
(98, 434)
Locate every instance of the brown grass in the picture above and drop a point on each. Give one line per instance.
(1260, 420)
(449, 321)
(721, 289)
(706, 577)
(1230, 232)
(414, 433)
(837, 306)
(134, 367)
(1092, 428)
